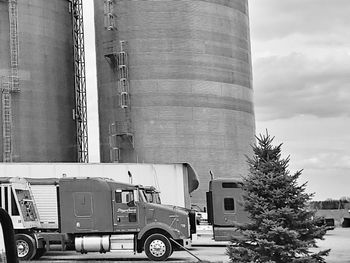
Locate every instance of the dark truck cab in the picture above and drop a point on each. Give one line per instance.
(95, 210)
(224, 207)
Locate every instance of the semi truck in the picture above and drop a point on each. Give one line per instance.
(96, 215)
(224, 207)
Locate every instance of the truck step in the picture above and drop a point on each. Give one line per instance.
(122, 242)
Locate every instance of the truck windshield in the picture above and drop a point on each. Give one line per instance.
(153, 197)
(143, 197)
(26, 205)
(156, 198)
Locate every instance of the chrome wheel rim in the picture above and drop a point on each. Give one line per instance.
(22, 248)
(157, 248)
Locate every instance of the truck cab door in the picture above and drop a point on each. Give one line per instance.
(125, 211)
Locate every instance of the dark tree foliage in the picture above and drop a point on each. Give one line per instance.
(281, 229)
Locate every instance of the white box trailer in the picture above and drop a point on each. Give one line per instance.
(174, 181)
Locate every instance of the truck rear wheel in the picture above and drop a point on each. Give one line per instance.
(26, 248)
(158, 247)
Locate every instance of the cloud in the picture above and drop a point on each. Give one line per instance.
(292, 85)
(277, 19)
(327, 174)
(328, 160)
(301, 58)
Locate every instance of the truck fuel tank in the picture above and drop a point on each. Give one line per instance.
(86, 244)
(105, 243)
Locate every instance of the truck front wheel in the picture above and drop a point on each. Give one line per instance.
(39, 253)
(26, 248)
(158, 247)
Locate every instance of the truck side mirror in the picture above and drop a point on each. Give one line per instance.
(131, 203)
(8, 249)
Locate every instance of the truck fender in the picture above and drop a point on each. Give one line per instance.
(156, 225)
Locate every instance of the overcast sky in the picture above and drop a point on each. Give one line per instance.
(301, 76)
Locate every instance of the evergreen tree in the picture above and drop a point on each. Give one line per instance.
(281, 229)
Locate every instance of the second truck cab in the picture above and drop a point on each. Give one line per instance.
(224, 204)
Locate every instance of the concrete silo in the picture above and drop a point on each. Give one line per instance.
(175, 85)
(37, 69)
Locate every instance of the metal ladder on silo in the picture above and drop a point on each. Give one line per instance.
(13, 18)
(10, 86)
(109, 15)
(6, 123)
(110, 50)
(123, 76)
(120, 131)
(121, 128)
(123, 92)
(80, 111)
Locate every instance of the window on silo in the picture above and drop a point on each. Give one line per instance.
(229, 204)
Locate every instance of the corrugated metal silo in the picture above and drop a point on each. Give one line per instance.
(174, 84)
(42, 125)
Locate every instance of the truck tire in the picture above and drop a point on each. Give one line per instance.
(26, 247)
(158, 247)
(39, 253)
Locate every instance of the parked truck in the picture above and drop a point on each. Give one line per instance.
(95, 215)
(224, 207)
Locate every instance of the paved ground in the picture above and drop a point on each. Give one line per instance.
(207, 250)
(211, 254)
(203, 247)
(338, 240)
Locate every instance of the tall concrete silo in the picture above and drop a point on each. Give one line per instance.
(175, 84)
(37, 73)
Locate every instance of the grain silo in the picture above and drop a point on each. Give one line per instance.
(174, 84)
(38, 79)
